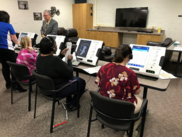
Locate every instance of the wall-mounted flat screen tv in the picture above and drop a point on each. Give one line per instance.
(131, 17)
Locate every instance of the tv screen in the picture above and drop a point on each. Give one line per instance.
(131, 17)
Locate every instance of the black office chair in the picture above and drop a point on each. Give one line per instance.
(106, 54)
(34, 40)
(116, 114)
(47, 88)
(21, 73)
(71, 35)
(60, 31)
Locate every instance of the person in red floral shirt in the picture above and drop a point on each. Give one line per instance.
(119, 82)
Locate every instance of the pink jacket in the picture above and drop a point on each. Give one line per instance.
(27, 58)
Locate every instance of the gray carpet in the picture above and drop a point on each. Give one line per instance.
(163, 120)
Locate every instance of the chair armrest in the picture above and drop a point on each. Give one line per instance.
(153, 43)
(66, 85)
(22, 78)
(145, 101)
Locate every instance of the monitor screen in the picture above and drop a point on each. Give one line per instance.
(83, 48)
(131, 17)
(139, 56)
(22, 35)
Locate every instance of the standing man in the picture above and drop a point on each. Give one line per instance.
(50, 26)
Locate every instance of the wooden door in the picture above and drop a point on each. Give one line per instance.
(89, 18)
(82, 18)
(76, 18)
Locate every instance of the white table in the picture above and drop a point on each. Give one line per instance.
(146, 82)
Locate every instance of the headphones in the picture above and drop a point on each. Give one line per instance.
(129, 52)
(51, 44)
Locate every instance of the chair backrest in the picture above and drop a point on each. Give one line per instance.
(166, 42)
(106, 50)
(112, 107)
(44, 83)
(21, 72)
(34, 40)
(60, 31)
(71, 32)
(153, 43)
(71, 35)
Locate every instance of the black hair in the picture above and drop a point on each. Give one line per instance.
(122, 52)
(47, 45)
(4, 16)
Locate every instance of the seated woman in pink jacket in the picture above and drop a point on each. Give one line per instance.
(27, 55)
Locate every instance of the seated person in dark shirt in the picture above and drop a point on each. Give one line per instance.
(60, 72)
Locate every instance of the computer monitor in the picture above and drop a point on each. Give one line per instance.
(140, 55)
(147, 60)
(87, 51)
(22, 35)
(31, 35)
(58, 39)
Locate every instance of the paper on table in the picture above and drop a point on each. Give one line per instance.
(166, 75)
(178, 48)
(92, 70)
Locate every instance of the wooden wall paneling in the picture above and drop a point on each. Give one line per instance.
(142, 39)
(91, 35)
(111, 39)
(120, 39)
(156, 38)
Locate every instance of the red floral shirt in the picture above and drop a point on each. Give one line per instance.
(118, 82)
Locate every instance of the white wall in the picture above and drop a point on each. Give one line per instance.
(22, 20)
(162, 13)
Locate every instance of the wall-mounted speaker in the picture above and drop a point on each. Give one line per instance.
(80, 1)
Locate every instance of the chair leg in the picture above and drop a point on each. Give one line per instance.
(131, 130)
(52, 115)
(102, 126)
(12, 92)
(143, 121)
(89, 122)
(35, 102)
(78, 91)
(29, 95)
(78, 110)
